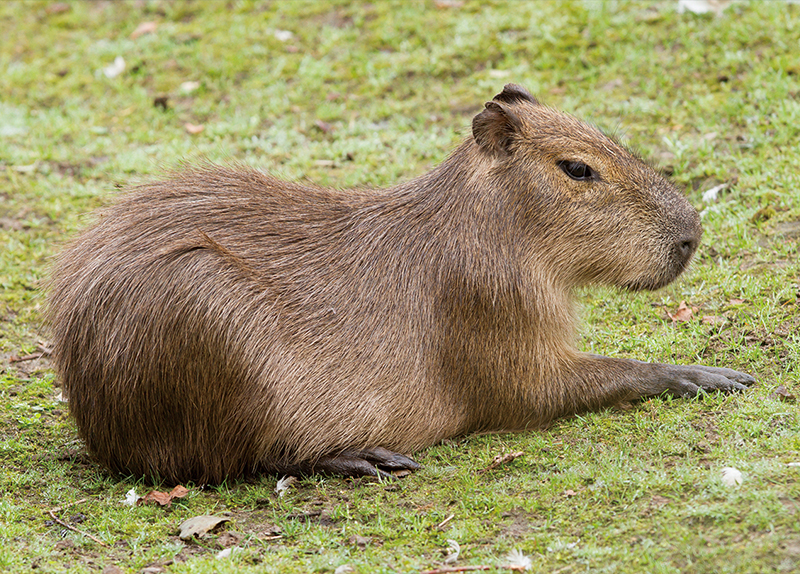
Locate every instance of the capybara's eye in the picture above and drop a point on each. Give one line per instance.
(577, 170)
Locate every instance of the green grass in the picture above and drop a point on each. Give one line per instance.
(637, 489)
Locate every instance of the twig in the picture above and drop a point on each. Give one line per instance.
(56, 519)
(445, 521)
(501, 459)
(32, 357)
(444, 569)
(60, 508)
(42, 350)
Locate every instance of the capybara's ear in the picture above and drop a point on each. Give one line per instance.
(513, 93)
(495, 128)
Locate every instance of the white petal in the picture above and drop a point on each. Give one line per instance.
(453, 551)
(284, 484)
(731, 476)
(710, 195)
(227, 552)
(516, 559)
(116, 68)
(131, 497)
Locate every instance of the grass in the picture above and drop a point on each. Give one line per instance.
(367, 94)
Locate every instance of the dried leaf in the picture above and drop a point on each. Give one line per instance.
(360, 541)
(200, 525)
(163, 498)
(570, 493)
(444, 4)
(193, 128)
(783, 394)
(736, 302)
(324, 127)
(144, 28)
(713, 320)
(659, 501)
(683, 313)
(58, 8)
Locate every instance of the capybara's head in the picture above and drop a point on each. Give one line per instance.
(590, 208)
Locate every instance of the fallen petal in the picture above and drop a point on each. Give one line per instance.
(518, 561)
(131, 498)
(116, 68)
(731, 476)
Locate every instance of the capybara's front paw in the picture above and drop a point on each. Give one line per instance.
(690, 380)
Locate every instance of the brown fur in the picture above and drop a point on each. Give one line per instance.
(223, 322)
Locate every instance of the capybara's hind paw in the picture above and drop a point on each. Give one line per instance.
(375, 461)
(369, 462)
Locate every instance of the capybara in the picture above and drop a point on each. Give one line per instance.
(222, 322)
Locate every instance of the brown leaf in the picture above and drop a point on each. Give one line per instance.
(570, 493)
(683, 313)
(360, 541)
(735, 301)
(193, 128)
(58, 8)
(712, 320)
(502, 459)
(163, 498)
(658, 500)
(144, 28)
(783, 394)
(324, 127)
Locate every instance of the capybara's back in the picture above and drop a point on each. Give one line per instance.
(222, 322)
